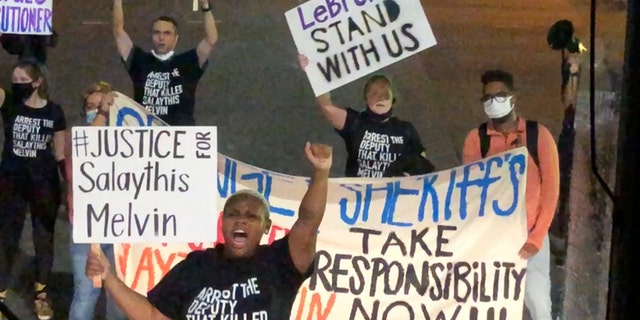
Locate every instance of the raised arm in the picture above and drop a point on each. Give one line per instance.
(123, 42)
(211, 33)
(335, 115)
(303, 234)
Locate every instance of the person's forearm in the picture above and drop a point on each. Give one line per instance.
(314, 202)
(118, 17)
(210, 29)
(325, 99)
(134, 305)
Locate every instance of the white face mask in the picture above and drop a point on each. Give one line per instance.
(495, 109)
(164, 56)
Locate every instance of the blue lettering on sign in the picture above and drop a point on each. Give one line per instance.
(390, 205)
(447, 199)
(429, 190)
(343, 205)
(128, 111)
(521, 161)
(460, 180)
(228, 186)
(264, 181)
(483, 183)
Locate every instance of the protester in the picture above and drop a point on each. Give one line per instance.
(165, 82)
(259, 281)
(29, 174)
(29, 46)
(506, 130)
(98, 99)
(374, 138)
(409, 165)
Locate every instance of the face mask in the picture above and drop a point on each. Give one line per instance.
(376, 117)
(495, 109)
(162, 57)
(22, 91)
(91, 115)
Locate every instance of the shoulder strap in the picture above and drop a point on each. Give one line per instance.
(532, 140)
(484, 139)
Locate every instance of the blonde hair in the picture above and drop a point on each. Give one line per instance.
(97, 87)
(246, 194)
(100, 86)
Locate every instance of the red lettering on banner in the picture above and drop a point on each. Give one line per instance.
(315, 305)
(273, 233)
(122, 259)
(164, 266)
(145, 264)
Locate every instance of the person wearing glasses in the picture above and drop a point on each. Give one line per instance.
(506, 130)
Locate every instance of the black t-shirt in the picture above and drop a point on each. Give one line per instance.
(28, 133)
(166, 88)
(206, 285)
(373, 146)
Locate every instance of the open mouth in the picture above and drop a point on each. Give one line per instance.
(239, 237)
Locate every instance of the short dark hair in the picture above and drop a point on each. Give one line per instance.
(498, 76)
(166, 19)
(35, 71)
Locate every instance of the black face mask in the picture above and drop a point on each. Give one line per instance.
(375, 117)
(22, 91)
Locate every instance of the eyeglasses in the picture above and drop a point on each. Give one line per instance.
(498, 97)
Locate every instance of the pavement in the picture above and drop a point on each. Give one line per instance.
(265, 109)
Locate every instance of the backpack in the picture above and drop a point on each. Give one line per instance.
(532, 140)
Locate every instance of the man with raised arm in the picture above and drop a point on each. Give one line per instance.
(239, 279)
(163, 81)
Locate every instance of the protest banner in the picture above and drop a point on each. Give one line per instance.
(26, 17)
(439, 246)
(144, 184)
(348, 39)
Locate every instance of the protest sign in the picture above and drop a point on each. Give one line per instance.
(126, 112)
(143, 184)
(439, 246)
(26, 16)
(347, 39)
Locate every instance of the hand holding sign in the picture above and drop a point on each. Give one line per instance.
(320, 155)
(107, 101)
(97, 265)
(304, 62)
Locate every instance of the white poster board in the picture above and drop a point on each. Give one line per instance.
(348, 39)
(145, 184)
(26, 17)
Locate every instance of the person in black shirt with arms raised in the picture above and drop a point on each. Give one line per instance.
(164, 82)
(374, 138)
(239, 279)
(29, 174)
